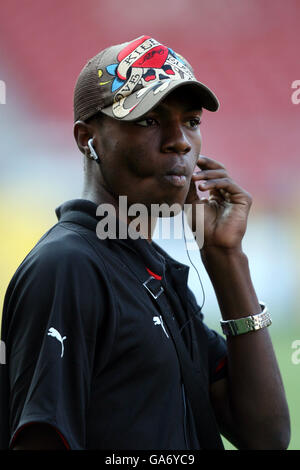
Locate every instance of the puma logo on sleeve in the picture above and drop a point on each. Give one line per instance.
(53, 332)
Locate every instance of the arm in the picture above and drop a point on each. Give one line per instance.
(253, 399)
(45, 386)
(250, 405)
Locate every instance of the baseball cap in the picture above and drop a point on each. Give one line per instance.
(127, 80)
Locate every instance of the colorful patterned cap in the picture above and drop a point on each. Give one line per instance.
(128, 80)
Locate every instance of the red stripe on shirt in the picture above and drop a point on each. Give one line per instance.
(156, 276)
(65, 442)
(221, 364)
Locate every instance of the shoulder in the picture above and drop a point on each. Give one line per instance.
(62, 243)
(61, 277)
(61, 263)
(61, 249)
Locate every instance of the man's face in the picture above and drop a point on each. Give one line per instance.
(152, 160)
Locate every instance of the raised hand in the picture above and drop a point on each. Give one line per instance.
(226, 208)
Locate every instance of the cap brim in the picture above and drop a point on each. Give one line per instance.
(141, 102)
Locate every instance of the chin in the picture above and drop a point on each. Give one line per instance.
(167, 206)
(178, 198)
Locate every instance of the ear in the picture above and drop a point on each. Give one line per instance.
(83, 132)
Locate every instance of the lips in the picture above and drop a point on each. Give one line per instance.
(176, 176)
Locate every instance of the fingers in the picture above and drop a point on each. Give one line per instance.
(213, 177)
(225, 194)
(206, 163)
(209, 174)
(226, 184)
(208, 169)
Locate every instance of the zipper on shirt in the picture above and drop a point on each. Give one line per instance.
(184, 417)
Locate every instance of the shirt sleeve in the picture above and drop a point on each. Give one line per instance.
(217, 355)
(216, 344)
(54, 308)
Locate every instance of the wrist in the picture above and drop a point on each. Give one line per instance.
(214, 254)
(254, 322)
(230, 276)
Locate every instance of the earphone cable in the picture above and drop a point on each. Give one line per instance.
(203, 293)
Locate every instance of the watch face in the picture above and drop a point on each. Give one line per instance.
(244, 325)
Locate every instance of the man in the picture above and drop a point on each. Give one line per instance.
(106, 345)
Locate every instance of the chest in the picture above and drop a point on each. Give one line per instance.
(143, 343)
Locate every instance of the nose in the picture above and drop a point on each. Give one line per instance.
(174, 140)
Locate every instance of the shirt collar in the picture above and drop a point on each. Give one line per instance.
(154, 257)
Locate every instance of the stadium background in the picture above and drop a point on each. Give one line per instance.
(247, 51)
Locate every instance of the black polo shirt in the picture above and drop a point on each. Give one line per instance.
(86, 348)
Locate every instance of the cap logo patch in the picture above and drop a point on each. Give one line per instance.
(145, 64)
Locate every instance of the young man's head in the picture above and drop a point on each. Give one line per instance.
(141, 105)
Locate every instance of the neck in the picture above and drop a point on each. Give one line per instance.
(101, 195)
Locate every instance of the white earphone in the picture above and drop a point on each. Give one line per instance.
(93, 151)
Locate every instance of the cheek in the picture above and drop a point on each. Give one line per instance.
(198, 142)
(140, 161)
(127, 167)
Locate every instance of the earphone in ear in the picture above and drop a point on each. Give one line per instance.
(93, 151)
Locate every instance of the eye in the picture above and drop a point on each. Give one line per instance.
(193, 123)
(147, 122)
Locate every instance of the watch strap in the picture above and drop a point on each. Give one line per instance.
(244, 325)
